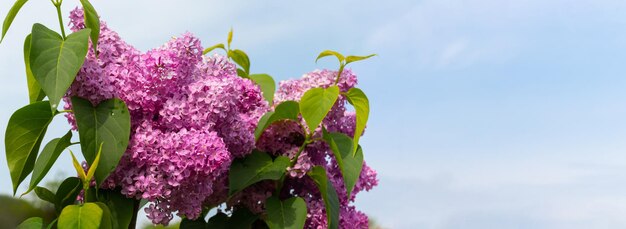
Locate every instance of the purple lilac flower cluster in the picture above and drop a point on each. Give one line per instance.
(191, 115)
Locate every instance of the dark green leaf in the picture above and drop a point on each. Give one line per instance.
(267, 85)
(92, 22)
(290, 213)
(67, 192)
(329, 194)
(22, 139)
(241, 58)
(361, 104)
(350, 59)
(255, 167)
(31, 223)
(209, 49)
(107, 124)
(10, 16)
(242, 218)
(120, 206)
(218, 221)
(242, 73)
(86, 216)
(107, 219)
(55, 62)
(316, 103)
(287, 110)
(330, 53)
(45, 194)
(35, 93)
(349, 163)
(48, 157)
(198, 223)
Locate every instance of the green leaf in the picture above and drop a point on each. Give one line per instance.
(107, 124)
(120, 206)
(45, 194)
(316, 103)
(22, 139)
(230, 37)
(92, 22)
(31, 223)
(35, 93)
(242, 218)
(10, 16)
(218, 221)
(79, 169)
(330, 53)
(47, 158)
(361, 104)
(94, 164)
(329, 194)
(290, 213)
(242, 73)
(209, 49)
(86, 216)
(241, 58)
(349, 163)
(267, 85)
(55, 62)
(67, 192)
(107, 219)
(287, 110)
(255, 167)
(350, 59)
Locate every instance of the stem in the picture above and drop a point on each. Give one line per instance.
(133, 220)
(66, 111)
(58, 6)
(339, 73)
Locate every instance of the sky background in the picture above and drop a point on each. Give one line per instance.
(484, 113)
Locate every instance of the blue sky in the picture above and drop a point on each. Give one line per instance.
(485, 113)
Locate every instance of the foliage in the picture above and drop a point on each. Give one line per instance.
(185, 132)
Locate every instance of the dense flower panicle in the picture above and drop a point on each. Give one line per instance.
(191, 116)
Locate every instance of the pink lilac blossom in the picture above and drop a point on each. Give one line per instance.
(191, 115)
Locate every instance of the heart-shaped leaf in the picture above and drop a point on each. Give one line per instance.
(361, 104)
(253, 168)
(31, 223)
(22, 139)
(35, 93)
(329, 194)
(92, 22)
(10, 16)
(67, 192)
(349, 163)
(316, 103)
(242, 218)
(107, 124)
(48, 157)
(55, 61)
(267, 84)
(86, 216)
(287, 110)
(241, 58)
(289, 213)
(121, 207)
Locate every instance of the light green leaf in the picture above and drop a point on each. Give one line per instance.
(267, 85)
(209, 49)
(86, 216)
(253, 168)
(290, 213)
(92, 22)
(26, 128)
(107, 124)
(349, 163)
(350, 59)
(316, 103)
(45, 194)
(10, 16)
(94, 164)
(329, 194)
(35, 93)
(287, 110)
(55, 62)
(78, 168)
(67, 192)
(241, 58)
(31, 223)
(47, 158)
(230, 37)
(331, 53)
(361, 104)
(120, 206)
